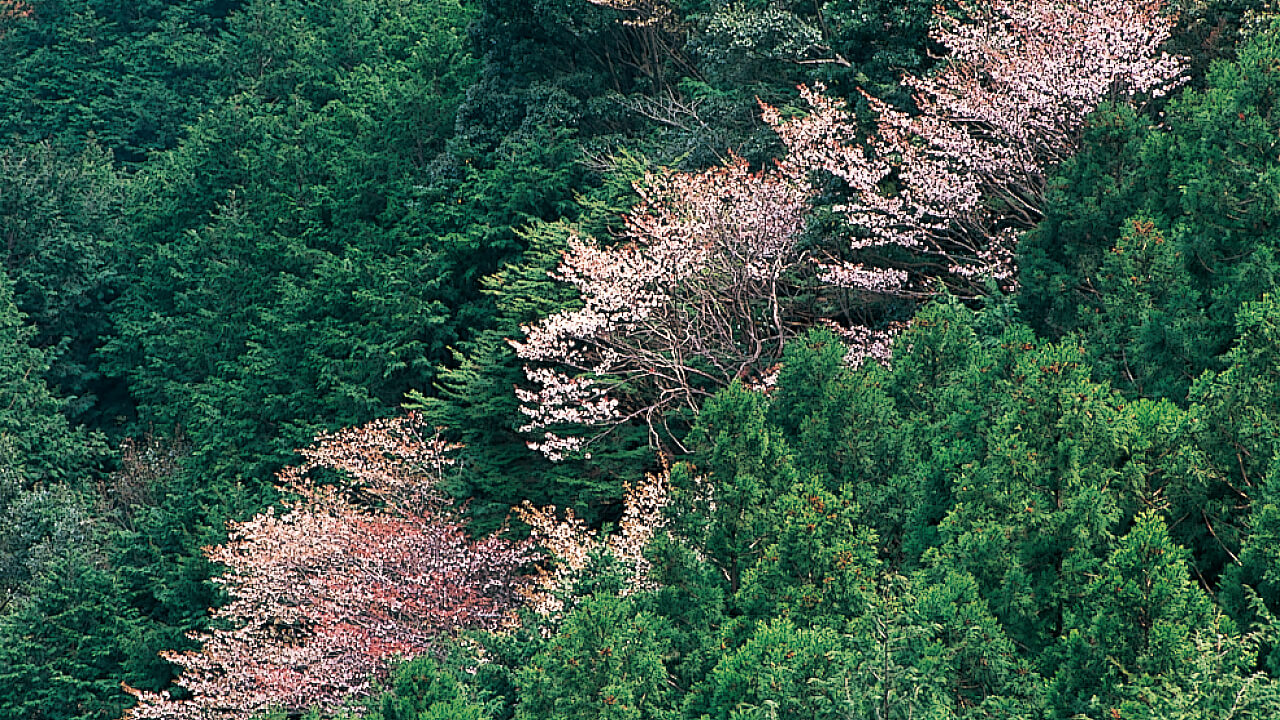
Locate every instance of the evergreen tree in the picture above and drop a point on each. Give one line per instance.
(45, 464)
(778, 672)
(1137, 620)
(1238, 411)
(287, 272)
(62, 216)
(821, 568)
(1199, 184)
(41, 446)
(845, 429)
(130, 76)
(62, 647)
(606, 662)
(428, 689)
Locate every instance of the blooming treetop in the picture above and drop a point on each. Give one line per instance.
(572, 544)
(959, 180)
(699, 294)
(347, 578)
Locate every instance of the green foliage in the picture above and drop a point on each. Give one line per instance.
(747, 466)
(777, 673)
(427, 689)
(284, 280)
(1016, 476)
(473, 395)
(44, 463)
(918, 647)
(1212, 30)
(236, 223)
(604, 663)
(1238, 411)
(1255, 578)
(931, 649)
(1193, 201)
(131, 76)
(974, 661)
(61, 648)
(1066, 465)
(1085, 204)
(1240, 406)
(1136, 620)
(552, 64)
(39, 445)
(749, 51)
(163, 575)
(1033, 563)
(1039, 496)
(1147, 322)
(1218, 683)
(1216, 157)
(820, 568)
(845, 429)
(61, 217)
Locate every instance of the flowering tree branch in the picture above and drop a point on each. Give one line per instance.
(700, 292)
(959, 180)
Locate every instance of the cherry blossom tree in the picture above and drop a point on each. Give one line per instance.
(351, 575)
(954, 184)
(712, 276)
(699, 292)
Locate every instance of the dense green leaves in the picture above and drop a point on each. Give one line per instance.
(61, 650)
(1136, 621)
(427, 689)
(130, 75)
(60, 217)
(287, 273)
(605, 662)
(1156, 236)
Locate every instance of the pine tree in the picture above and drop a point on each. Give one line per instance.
(606, 662)
(1137, 619)
(62, 648)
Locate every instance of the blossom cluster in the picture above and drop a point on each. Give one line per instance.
(698, 292)
(956, 181)
(324, 595)
(641, 13)
(571, 544)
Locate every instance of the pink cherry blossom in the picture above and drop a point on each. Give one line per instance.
(324, 595)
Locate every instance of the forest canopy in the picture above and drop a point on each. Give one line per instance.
(639, 359)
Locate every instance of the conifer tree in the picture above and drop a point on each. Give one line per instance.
(724, 497)
(605, 662)
(62, 216)
(1137, 619)
(62, 648)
